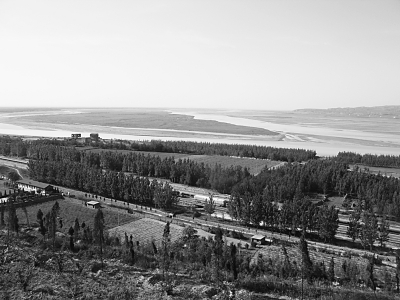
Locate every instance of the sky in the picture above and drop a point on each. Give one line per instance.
(245, 54)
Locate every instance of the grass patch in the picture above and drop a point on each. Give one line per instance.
(146, 230)
(69, 211)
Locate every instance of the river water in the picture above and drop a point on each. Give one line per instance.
(326, 141)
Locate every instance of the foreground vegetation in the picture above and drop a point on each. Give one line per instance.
(44, 265)
(277, 199)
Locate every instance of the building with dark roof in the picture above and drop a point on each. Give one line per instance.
(34, 186)
(76, 135)
(93, 204)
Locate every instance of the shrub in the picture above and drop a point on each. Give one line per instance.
(237, 235)
(197, 214)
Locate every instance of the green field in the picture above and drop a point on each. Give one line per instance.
(394, 172)
(254, 165)
(70, 210)
(146, 230)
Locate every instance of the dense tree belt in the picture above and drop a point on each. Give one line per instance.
(17, 147)
(294, 181)
(181, 171)
(249, 204)
(370, 160)
(262, 152)
(117, 185)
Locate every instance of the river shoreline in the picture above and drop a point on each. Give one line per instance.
(325, 141)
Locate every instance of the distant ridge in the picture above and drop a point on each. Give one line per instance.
(387, 111)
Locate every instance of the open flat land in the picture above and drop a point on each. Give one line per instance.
(390, 172)
(147, 230)
(70, 210)
(135, 118)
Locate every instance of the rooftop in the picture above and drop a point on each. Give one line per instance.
(258, 237)
(34, 183)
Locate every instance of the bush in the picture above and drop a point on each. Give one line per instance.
(237, 235)
(196, 214)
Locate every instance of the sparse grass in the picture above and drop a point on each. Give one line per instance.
(255, 166)
(324, 255)
(385, 171)
(69, 211)
(145, 230)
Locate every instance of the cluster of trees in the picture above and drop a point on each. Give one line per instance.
(371, 160)
(294, 181)
(248, 205)
(368, 227)
(13, 146)
(263, 152)
(182, 171)
(17, 147)
(255, 199)
(116, 185)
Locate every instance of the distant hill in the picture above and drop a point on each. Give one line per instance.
(390, 111)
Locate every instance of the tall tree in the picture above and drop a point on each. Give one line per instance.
(209, 206)
(233, 261)
(98, 232)
(370, 278)
(331, 270)
(166, 258)
(306, 264)
(71, 238)
(26, 215)
(76, 229)
(12, 219)
(217, 256)
(353, 229)
(2, 210)
(383, 231)
(369, 230)
(328, 222)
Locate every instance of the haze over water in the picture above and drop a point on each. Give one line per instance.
(326, 141)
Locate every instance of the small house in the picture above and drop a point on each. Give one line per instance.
(93, 204)
(76, 135)
(260, 239)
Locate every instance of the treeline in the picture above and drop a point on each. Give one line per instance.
(294, 181)
(110, 184)
(181, 171)
(370, 160)
(254, 151)
(17, 147)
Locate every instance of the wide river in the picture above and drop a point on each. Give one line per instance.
(326, 141)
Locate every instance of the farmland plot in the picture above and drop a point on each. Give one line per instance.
(254, 165)
(69, 211)
(146, 230)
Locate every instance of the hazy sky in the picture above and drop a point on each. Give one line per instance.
(241, 54)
